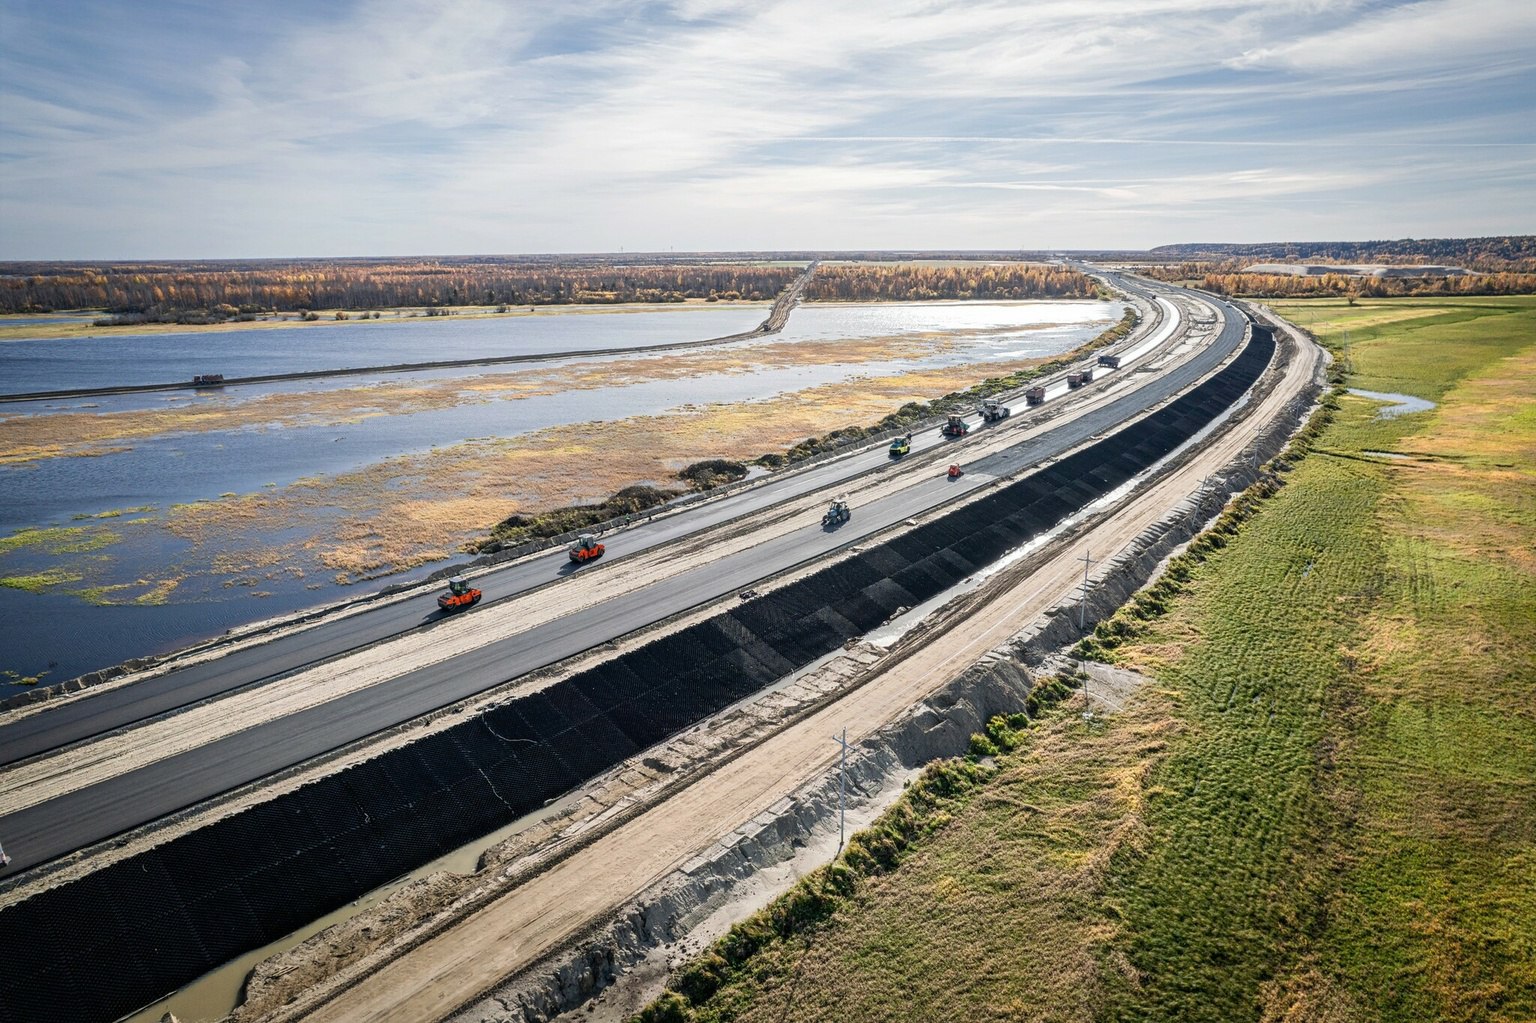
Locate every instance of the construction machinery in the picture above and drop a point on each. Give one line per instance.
(955, 427)
(1076, 380)
(993, 411)
(901, 445)
(586, 548)
(955, 472)
(208, 380)
(1112, 361)
(1035, 396)
(460, 596)
(837, 514)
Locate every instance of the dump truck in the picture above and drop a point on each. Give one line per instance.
(993, 411)
(837, 514)
(901, 445)
(1076, 380)
(586, 548)
(1112, 361)
(208, 380)
(1035, 395)
(460, 596)
(955, 427)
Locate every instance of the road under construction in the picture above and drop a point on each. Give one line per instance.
(163, 824)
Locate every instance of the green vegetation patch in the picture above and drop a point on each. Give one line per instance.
(1322, 810)
(37, 582)
(113, 513)
(517, 529)
(712, 472)
(58, 540)
(1347, 832)
(1233, 876)
(843, 942)
(1417, 346)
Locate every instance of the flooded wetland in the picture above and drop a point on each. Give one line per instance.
(137, 523)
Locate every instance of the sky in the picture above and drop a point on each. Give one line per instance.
(173, 129)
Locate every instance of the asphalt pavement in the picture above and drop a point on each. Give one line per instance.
(40, 833)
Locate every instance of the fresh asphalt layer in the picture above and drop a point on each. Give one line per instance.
(39, 833)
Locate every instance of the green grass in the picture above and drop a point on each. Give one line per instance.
(119, 512)
(38, 582)
(1349, 833)
(1421, 346)
(1228, 889)
(1324, 809)
(59, 540)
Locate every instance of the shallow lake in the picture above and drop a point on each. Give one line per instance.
(108, 360)
(63, 635)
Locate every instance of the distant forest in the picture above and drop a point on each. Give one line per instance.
(210, 292)
(204, 291)
(866, 282)
(1512, 253)
(225, 290)
(1224, 279)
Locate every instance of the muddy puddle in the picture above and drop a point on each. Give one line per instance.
(1396, 404)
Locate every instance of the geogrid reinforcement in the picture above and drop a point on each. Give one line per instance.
(101, 946)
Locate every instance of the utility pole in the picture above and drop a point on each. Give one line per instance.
(842, 789)
(1082, 627)
(1082, 604)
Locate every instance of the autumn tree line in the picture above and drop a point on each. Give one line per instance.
(1493, 254)
(142, 289)
(202, 293)
(1237, 284)
(914, 283)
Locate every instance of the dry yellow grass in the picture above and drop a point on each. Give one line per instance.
(393, 513)
(34, 437)
(990, 916)
(411, 510)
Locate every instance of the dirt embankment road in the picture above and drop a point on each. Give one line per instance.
(777, 317)
(463, 962)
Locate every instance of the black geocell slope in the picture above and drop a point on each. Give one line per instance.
(99, 947)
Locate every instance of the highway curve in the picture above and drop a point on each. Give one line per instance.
(95, 712)
(41, 832)
(52, 828)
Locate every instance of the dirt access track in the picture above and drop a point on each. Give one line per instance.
(430, 970)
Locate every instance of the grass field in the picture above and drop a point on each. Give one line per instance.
(1322, 808)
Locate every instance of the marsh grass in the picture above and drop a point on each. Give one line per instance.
(403, 512)
(57, 540)
(38, 582)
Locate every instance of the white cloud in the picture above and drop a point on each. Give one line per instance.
(1413, 40)
(410, 126)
